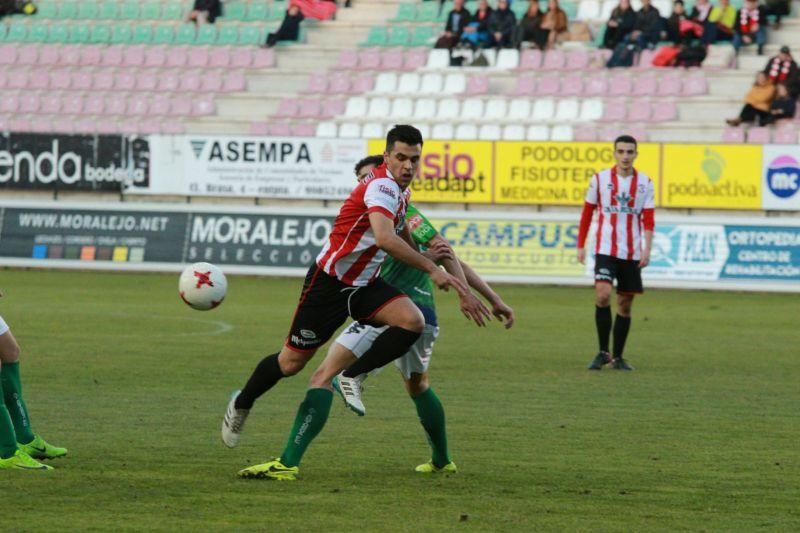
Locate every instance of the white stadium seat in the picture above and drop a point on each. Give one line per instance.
(472, 108)
(491, 56)
(439, 58)
(402, 108)
(507, 58)
(455, 84)
(664, 7)
(589, 10)
(538, 133)
(378, 107)
(567, 110)
(356, 107)
(448, 108)
(496, 109)
(442, 131)
(591, 110)
(514, 132)
(408, 83)
(466, 132)
(425, 108)
(326, 129)
(561, 133)
(385, 83)
(606, 9)
(424, 129)
(543, 110)
(519, 109)
(489, 132)
(431, 84)
(349, 130)
(373, 130)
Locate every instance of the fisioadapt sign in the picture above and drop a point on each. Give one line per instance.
(781, 178)
(291, 167)
(73, 162)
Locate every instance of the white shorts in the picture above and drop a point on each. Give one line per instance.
(3, 326)
(358, 338)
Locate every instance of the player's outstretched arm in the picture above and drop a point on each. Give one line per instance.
(388, 241)
(500, 309)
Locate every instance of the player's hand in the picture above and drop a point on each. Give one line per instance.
(444, 281)
(645, 260)
(439, 251)
(503, 313)
(582, 256)
(474, 309)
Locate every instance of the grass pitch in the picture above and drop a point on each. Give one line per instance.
(704, 435)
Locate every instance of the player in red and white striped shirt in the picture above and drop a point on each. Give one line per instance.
(624, 199)
(344, 282)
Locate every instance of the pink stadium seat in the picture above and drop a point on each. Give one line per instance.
(530, 60)
(211, 82)
(288, 108)
(363, 83)
(348, 60)
(3, 78)
(128, 125)
(138, 105)
(584, 132)
(694, 85)
(116, 103)
(113, 56)
(526, 86)
(28, 55)
(733, 135)
(263, 58)
(785, 135)
(4, 119)
(477, 85)
(638, 132)
(620, 85)
(549, 85)
(664, 110)
(168, 81)
(94, 104)
(9, 103)
(645, 85)
(198, 57)
(241, 58)
(159, 105)
(596, 86)
(106, 125)
(125, 80)
(416, 58)
(640, 111)
(339, 83)
(49, 54)
(317, 83)
(42, 124)
(280, 129)
(8, 54)
(177, 57)
(90, 55)
(134, 56)
(19, 124)
(333, 107)
(259, 128)
(303, 129)
(28, 102)
(758, 135)
(180, 106)
(146, 80)
(600, 57)
(611, 131)
(51, 103)
(554, 60)
(18, 78)
(578, 60)
(219, 57)
(72, 104)
(149, 125)
(81, 80)
(309, 108)
(155, 56)
(369, 59)
(69, 55)
(615, 111)
(670, 85)
(234, 81)
(572, 85)
(63, 124)
(39, 79)
(392, 59)
(103, 80)
(203, 105)
(646, 59)
(190, 81)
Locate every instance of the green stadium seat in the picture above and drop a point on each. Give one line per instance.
(235, 11)
(206, 34)
(129, 11)
(571, 9)
(228, 35)
(163, 35)
(109, 11)
(3, 32)
(58, 33)
(471, 6)
(37, 33)
(150, 11)
(257, 12)
(447, 7)
(172, 11)
(186, 34)
(406, 12)
(48, 10)
(79, 33)
(428, 12)
(100, 34)
(17, 33)
(249, 35)
(68, 10)
(423, 35)
(377, 36)
(400, 36)
(142, 35)
(121, 34)
(519, 9)
(88, 11)
(277, 11)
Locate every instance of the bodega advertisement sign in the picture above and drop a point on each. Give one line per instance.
(270, 167)
(73, 162)
(780, 177)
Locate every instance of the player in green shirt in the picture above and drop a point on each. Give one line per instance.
(357, 338)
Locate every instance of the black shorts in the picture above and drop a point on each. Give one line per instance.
(325, 304)
(627, 273)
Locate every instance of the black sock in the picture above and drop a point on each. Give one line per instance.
(621, 326)
(388, 346)
(265, 376)
(602, 319)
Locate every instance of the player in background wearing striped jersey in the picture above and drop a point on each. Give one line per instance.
(344, 281)
(624, 199)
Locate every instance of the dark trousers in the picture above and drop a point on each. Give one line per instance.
(750, 114)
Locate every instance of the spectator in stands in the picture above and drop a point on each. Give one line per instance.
(781, 67)
(619, 25)
(530, 28)
(677, 23)
(649, 26)
(477, 32)
(555, 21)
(289, 29)
(757, 102)
(205, 11)
(701, 11)
(502, 24)
(778, 9)
(720, 22)
(751, 26)
(783, 107)
(458, 19)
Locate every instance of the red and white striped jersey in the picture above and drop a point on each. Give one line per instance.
(350, 253)
(621, 202)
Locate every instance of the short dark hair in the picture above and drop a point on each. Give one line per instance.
(405, 133)
(625, 139)
(369, 160)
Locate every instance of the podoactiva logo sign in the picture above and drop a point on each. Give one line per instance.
(73, 162)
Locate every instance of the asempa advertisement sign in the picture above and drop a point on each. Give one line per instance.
(781, 178)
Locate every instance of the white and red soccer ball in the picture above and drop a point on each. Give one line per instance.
(202, 286)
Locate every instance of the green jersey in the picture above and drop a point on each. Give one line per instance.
(415, 283)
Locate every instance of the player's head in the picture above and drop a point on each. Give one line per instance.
(403, 153)
(625, 152)
(365, 166)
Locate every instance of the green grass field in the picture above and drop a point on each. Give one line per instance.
(703, 436)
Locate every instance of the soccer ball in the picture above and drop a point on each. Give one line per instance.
(202, 286)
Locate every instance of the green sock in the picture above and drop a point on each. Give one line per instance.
(431, 415)
(8, 438)
(12, 394)
(310, 419)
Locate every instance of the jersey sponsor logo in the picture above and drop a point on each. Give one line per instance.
(620, 209)
(299, 341)
(414, 222)
(388, 191)
(308, 334)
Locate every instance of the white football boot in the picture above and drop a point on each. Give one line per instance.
(350, 391)
(233, 422)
